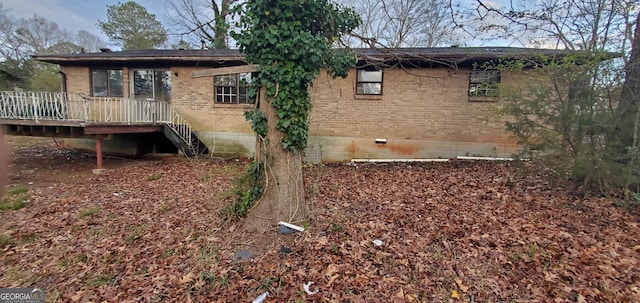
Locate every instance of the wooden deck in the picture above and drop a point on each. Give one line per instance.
(71, 129)
(63, 115)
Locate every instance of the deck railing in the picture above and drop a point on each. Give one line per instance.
(81, 108)
(49, 106)
(181, 127)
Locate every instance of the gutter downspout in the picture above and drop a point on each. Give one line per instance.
(64, 81)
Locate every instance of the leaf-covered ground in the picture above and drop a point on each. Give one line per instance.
(150, 231)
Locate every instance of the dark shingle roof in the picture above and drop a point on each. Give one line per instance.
(434, 55)
(170, 55)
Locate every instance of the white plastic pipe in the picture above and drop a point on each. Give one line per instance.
(483, 158)
(398, 160)
(289, 225)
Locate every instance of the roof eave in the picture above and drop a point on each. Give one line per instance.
(61, 60)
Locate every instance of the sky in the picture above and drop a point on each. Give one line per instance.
(75, 15)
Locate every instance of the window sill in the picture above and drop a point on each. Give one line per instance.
(238, 106)
(368, 97)
(482, 99)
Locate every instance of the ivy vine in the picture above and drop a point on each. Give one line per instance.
(292, 40)
(258, 121)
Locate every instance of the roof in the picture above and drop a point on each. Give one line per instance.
(165, 55)
(434, 55)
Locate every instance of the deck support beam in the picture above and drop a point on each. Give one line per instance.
(251, 68)
(99, 152)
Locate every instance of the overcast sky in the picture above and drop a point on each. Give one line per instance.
(75, 15)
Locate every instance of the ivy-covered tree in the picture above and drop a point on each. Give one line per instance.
(132, 27)
(291, 41)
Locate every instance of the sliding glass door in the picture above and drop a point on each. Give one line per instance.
(147, 86)
(151, 84)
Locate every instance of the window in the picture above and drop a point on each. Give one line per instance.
(232, 89)
(484, 83)
(106, 82)
(369, 82)
(151, 85)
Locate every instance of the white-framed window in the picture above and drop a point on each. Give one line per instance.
(232, 89)
(369, 82)
(106, 82)
(484, 83)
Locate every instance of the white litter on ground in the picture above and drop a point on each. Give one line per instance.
(307, 290)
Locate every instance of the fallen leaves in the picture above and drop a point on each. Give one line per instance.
(461, 285)
(457, 231)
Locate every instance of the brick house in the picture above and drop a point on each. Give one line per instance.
(397, 103)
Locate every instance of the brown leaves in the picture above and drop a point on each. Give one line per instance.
(461, 285)
(450, 231)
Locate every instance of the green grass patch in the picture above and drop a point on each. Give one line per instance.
(336, 227)
(207, 253)
(135, 233)
(72, 261)
(531, 252)
(168, 252)
(167, 207)
(132, 237)
(18, 274)
(13, 204)
(88, 212)
(16, 198)
(30, 238)
(5, 241)
(101, 280)
(269, 284)
(17, 190)
(154, 177)
(233, 170)
(626, 203)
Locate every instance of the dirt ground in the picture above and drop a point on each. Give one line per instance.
(42, 162)
(150, 230)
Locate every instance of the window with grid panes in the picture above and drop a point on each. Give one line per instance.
(232, 89)
(484, 83)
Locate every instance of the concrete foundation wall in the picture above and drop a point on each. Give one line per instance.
(128, 145)
(347, 148)
(230, 145)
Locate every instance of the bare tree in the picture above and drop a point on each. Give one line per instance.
(12, 49)
(39, 33)
(406, 23)
(629, 107)
(203, 20)
(20, 38)
(88, 41)
(593, 25)
(594, 109)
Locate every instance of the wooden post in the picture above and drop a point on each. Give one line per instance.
(99, 152)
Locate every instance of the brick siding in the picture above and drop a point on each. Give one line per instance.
(422, 113)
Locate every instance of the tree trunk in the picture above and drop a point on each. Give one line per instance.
(283, 197)
(4, 163)
(629, 98)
